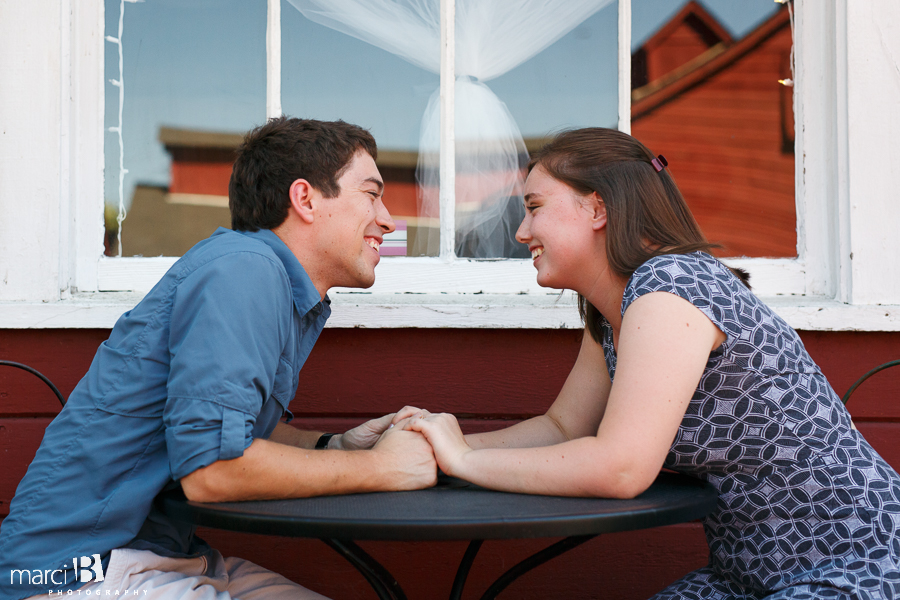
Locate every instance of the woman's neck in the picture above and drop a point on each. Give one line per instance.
(605, 294)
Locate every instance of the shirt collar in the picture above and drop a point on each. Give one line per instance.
(306, 296)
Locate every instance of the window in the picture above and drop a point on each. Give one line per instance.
(712, 90)
(448, 291)
(180, 73)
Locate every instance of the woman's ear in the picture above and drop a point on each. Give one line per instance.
(598, 211)
(301, 193)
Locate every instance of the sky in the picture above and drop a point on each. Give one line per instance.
(201, 64)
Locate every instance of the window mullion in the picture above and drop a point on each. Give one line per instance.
(448, 135)
(273, 60)
(625, 66)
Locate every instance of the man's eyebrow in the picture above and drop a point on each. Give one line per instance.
(376, 181)
(529, 196)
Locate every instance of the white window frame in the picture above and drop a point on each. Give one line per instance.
(820, 289)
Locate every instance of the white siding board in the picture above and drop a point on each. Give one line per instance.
(444, 311)
(29, 149)
(873, 124)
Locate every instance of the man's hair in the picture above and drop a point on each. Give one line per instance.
(276, 154)
(646, 214)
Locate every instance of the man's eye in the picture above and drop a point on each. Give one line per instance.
(530, 208)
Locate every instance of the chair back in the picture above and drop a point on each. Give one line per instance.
(887, 365)
(41, 376)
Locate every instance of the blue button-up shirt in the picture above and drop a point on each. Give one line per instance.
(208, 361)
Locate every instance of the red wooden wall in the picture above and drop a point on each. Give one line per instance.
(488, 378)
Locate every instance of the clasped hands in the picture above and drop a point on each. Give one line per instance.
(422, 440)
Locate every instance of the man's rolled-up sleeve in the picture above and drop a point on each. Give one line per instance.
(229, 323)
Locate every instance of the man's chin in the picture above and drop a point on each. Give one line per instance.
(363, 282)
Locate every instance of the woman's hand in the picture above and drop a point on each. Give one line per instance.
(443, 433)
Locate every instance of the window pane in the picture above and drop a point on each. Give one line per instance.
(330, 75)
(398, 101)
(573, 83)
(706, 95)
(195, 74)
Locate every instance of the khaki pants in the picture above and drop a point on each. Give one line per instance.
(141, 574)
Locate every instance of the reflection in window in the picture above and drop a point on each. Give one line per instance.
(194, 81)
(573, 83)
(491, 39)
(706, 94)
(328, 75)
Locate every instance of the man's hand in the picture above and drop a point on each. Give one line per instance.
(408, 459)
(366, 435)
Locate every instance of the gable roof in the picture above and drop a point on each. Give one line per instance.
(717, 58)
(697, 18)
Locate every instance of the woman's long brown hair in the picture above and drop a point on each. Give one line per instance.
(646, 213)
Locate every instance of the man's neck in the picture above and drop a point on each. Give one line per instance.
(304, 252)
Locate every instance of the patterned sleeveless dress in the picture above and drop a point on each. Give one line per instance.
(807, 508)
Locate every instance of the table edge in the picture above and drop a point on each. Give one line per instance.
(205, 515)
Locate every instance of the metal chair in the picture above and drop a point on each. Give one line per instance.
(887, 365)
(38, 374)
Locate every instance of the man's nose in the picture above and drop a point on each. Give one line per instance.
(383, 218)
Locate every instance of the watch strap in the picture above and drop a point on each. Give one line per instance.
(323, 440)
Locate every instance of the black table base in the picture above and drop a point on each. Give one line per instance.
(381, 580)
(387, 588)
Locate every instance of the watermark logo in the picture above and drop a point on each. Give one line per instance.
(91, 568)
(87, 569)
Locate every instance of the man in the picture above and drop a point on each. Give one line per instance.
(190, 388)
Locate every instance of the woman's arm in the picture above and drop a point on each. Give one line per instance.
(575, 413)
(663, 348)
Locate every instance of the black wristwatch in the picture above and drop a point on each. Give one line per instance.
(323, 440)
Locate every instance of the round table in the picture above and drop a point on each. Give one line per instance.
(452, 510)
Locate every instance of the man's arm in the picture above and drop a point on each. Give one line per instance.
(291, 436)
(401, 460)
(361, 437)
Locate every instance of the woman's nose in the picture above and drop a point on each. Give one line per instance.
(523, 234)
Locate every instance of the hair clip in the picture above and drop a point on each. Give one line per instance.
(659, 163)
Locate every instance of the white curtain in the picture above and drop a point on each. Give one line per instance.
(492, 37)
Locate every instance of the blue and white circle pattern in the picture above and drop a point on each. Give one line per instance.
(807, 508)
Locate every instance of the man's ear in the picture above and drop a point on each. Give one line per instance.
(598, 211)
(302, 199)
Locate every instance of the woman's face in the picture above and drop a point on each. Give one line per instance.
(560, 230)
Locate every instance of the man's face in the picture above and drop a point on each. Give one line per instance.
(354, 223)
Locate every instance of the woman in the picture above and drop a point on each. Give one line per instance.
(683, 367)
